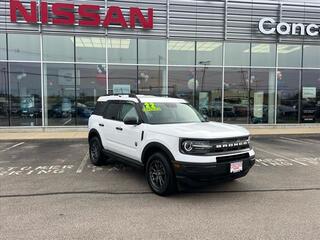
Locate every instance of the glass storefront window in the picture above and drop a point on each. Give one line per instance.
(311, 56)
(91, 84)
(90, 49)
(25, 93)
(152, 51)
(182, 53)
(3, 47)
(24, 47)
(288, 95)
(310, 103)
(236, 95)
(152, 80)
(262, 96)
(58, 48)
(122, 79)
(263, 55)
(289, 55)
(4, 104)
(209, 92)
(60, 94)
(182, 83)
(237, 54)
(122, 50)
(209, 53)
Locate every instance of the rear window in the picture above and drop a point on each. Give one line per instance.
(100, 106)
(112, 111)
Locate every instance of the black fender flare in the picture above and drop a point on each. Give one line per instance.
(159, 146)
(95, 133)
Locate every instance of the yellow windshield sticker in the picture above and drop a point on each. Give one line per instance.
(151, 107)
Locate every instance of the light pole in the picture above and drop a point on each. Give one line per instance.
(205, 64)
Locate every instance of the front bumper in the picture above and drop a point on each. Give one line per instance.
(191, 173)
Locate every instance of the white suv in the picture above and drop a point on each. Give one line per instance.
(169, 139)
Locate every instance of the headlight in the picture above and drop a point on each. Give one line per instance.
(195, 147)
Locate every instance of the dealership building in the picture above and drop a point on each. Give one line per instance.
(236, 61)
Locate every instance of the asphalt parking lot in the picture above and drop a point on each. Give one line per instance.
(49, 190)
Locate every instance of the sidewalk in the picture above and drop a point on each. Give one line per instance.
(78, 134)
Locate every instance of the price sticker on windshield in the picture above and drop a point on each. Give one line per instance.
(151, 107)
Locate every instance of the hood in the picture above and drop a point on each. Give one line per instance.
(205, 130)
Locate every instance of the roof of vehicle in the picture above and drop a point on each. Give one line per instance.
(141, 98)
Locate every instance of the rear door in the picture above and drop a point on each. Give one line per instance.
(109, 124)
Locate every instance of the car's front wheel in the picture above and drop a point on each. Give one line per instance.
(95, 151)
(160, 175)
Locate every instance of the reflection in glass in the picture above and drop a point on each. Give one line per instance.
(181, 53)
(90, 49)
(209, 92)
(310, 103)
(289, 55)
(182, 83)
(122, 50)
(236, 95)
(152, 51)
(3, 49)
(311, 56)
(4, 104)
(288, 95)
(262, 96)
(24, 47)
(58, 48)
(122, 79)
(91, 84)
(25, 92)
(237, 54)
(151, 80)
(60, 94)
(263, 55)
(209, 53)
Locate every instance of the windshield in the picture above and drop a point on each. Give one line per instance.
(169, 113)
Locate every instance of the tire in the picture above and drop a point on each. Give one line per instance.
(160, 175)
(95, 151)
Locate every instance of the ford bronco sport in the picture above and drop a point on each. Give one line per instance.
(169, 139)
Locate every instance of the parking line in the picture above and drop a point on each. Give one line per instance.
(281, 156)
(14, 146)
(296, 140)
(83, 163)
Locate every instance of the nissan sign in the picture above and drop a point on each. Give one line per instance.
(270, 26)
(82, 15)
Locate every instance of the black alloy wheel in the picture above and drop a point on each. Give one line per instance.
(95, 151)
(160, 175)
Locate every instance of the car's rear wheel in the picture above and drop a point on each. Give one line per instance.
(160, 175)
(95, 151)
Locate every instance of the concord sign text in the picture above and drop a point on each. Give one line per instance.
(83, 15)
(270, 26)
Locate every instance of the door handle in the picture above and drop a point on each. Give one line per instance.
(101, 125)
(119, 128)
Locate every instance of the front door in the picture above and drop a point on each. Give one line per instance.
(128, 137)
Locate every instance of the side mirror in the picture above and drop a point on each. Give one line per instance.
(131, 120)
(205, 117)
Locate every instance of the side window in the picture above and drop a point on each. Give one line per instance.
(112, 111)
(127, 110)
(99, 109)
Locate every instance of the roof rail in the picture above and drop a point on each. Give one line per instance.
(131, 95)
(135, 96)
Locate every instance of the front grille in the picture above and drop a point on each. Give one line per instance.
(232, 158)
(228, 145)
